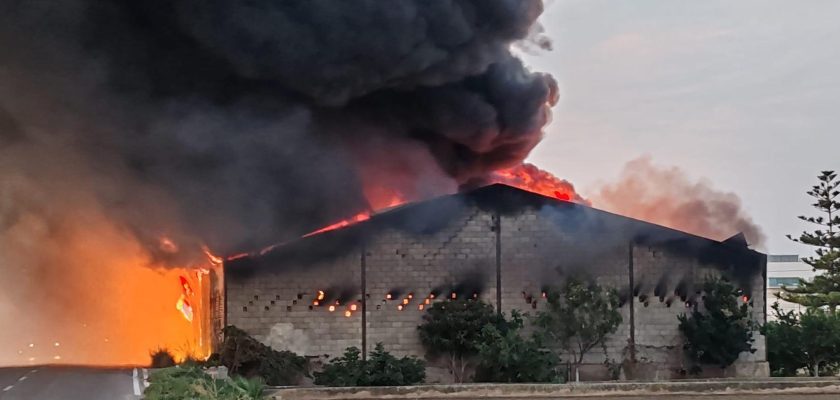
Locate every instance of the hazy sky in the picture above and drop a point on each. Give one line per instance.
(743, 93)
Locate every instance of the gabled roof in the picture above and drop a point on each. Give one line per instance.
(432, 215)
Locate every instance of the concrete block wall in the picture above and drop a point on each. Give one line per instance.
(284, 295)
(400, 262)
(539, 254)
(657, 335)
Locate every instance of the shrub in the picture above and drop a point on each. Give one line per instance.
(162, 358)
(505, 356)
(178, 383)
(453, 328)
(380, 369)
(244, 355)
(721, 333)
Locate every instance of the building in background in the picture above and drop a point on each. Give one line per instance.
(785, 270)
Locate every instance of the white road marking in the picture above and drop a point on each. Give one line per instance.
(7, 388)
(22, 378)
(145, 377)
(136, 383)
(33, 371)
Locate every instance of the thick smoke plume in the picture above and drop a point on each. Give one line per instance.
(669, 197)
(233, 124)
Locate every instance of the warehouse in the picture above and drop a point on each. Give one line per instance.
(498, 243)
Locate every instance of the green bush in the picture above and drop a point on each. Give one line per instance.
(244, 355)
(505, 356)
(723, 330)
(162, 358)
(380, 369)
(179, 383)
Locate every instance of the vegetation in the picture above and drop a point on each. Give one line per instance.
(245, 356)
(178, 383)
(505, 356)
(810, 342)
(162, 358)
(453, 328)
(380, 369)
(579, 317)
(784, 343)
(722, 330)
(824, 290)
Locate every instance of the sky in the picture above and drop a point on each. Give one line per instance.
(744, 94)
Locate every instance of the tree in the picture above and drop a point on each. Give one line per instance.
(505, 356)
(820, 341)
(579, 317)
(722, 330)
(453, 328)
(824, 290)
(785, 352)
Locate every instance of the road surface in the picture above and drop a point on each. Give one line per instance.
(70, 383)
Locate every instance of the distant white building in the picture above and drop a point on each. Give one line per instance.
(785, 270)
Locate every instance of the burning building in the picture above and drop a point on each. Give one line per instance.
(140, 138)
(370, 281)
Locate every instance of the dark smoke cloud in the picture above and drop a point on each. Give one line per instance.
(243, 122)
(234, 124)
(669, 197)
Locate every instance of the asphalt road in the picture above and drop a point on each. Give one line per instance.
(70, 383)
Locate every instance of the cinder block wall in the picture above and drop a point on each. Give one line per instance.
(537, 251)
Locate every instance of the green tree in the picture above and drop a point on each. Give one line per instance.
(809, 341)
(453, 328)
(824, 290)
(506, 356)
(579, 317)
(785, 352)
(722, 330)
(821, 341)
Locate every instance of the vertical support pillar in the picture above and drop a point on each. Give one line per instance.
(498, 228)
(632, 302)
(363, 265)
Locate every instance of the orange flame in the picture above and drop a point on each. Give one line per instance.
(528, 177)
(362, 216)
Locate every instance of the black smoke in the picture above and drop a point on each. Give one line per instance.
(241, 123)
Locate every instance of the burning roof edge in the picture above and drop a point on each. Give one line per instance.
(506, 199)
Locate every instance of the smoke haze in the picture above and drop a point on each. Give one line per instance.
(669, 197)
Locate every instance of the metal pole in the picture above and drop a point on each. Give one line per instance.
(498, 230)
(364, 300)
(632, 300)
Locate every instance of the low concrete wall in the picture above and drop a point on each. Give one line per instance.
(563, 391)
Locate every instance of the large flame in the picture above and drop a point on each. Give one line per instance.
(524, 176)
(529, 177)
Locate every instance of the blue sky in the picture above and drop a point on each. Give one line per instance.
(745, 94)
